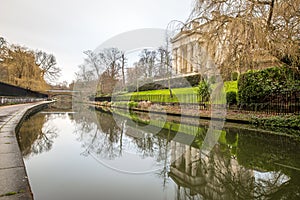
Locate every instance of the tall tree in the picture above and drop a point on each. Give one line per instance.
(21, 69)
(164, 61)
(147, 60)
(3, 54)
(240, 33)
(123, 63)
(102, 68)
(165, 64)
(93, 62)
(84, 74)
(3, 47)
(111, 60)
(47, 62)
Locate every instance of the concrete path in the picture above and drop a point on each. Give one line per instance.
(14, 183)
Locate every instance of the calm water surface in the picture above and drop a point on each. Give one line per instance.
(129, 156)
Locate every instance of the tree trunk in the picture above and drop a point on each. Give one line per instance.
(270, 14)
(122, 68)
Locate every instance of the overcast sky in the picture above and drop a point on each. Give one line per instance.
(66, 28)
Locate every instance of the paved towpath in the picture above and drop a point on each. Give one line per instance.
(14, 183)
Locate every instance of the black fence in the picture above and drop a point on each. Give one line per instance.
(281, 103)
(15, 91)
(101, 99)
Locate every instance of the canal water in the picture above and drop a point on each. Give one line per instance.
(136, 156)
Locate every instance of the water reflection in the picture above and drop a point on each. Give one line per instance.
(245, 164)
(111, 140)
(36, 135)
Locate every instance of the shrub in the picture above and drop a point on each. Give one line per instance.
(204, 90)
(231, 97)
(234, 76)
(193, 80)
(213, 79)
(152, 86)
(256, 86)
(132, 104)
(292, 121)
(131, 88)
(179, 82)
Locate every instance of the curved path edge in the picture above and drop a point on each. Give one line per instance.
(14, 183)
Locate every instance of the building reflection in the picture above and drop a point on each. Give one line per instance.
(209, 175)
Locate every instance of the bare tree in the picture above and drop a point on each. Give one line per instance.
(3, 47)
(3, 53)
(165, 64)
(47, 63)
(242, 33)
(110, 59)
(123, 63)
(93, 62)
(162, 59)
(84, 74)
(135, 74)
(147, 60)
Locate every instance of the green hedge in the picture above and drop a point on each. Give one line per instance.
(179, 82)
(231, 98)
(278, 121)
(256, 86)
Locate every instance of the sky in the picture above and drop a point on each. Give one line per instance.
(66, 28)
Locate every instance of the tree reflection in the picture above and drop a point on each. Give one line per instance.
(110, 136)
(241, 166)
(98, 133)
(36, 135)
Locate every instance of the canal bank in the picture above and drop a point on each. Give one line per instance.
(97, 157)
(257, 118)
(14, 183)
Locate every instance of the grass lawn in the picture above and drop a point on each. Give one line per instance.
(231, 86)
(190, 90)
(228, 85)
(183, 95)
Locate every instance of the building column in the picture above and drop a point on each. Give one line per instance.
(187, 159)
(194, 158)
(174, 60)
(173, 153)
(189, 57)
(184, 59)
(179, 62)
(196, 57)
(178, 155)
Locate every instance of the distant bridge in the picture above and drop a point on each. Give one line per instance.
(54, 93)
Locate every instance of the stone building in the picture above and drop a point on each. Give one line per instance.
(189, 56)
(185, 45)
(190, 53)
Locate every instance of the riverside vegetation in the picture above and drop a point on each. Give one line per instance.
(251, 88)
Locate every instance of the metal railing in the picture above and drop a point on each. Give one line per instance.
(280, 103)
(5, 100)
